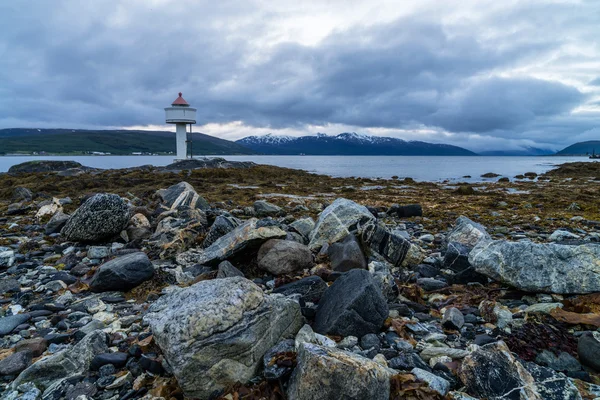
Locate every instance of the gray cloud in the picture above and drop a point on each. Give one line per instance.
(508, 76)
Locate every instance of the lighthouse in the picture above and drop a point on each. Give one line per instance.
(181, 114)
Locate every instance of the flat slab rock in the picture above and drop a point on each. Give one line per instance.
(535, 267)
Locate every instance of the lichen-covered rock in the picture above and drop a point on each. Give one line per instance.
(215, 333)
(467, 232)
(122, 273)
(182, 195)
(535, 267)
(325, 373)
(280, 257)
(247, 235)
(394, 248)
(336, 222)
(71, 361)
(303, 226)
(353, 305)
(101, 217)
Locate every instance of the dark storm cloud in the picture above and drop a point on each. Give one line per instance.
(118, 65)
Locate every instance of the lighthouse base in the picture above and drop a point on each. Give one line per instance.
(181, 139)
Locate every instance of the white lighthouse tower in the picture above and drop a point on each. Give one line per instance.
(181, 114)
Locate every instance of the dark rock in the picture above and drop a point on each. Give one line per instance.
(393, 247)
(281, 257)
(408, 361)
(273, 370)
(15, 363)
(227, 270)
(122, 273)
(453, 319)
(353, 305)
(101, 217)
(151, 364)
(310, 289)
(9, 285)
(117, 359)
(86, 389)
(430, 284)
(369, 341)
(411, 210)
(182, 195)
(44, 166)
(65, 277)
(80, 269)
(56, 223)
(21, 193)
(427, 271)
(266, 209)
(222, 226)
(484, 339)
(457, 257)
(7, 324)
(36, 346)
(57, 338)
(346, 255)
(562, 362)
(588, 350)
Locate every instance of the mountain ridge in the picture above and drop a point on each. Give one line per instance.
(581, 148)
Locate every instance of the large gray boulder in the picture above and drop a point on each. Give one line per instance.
(325, 373)
(396, 249)
(535, 267)
(352, 306)
(215, 333)
(493, 373)
(182, 195)
(69, 362)
(122, 273)
(247, 235)
(467, 232)
(280, 257)
(336, 222)
(101, 217)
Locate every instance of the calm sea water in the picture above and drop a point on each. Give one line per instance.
(421, 168)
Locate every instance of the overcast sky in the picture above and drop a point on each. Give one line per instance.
(480, 74)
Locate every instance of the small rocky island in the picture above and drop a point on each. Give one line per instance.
(219, 280)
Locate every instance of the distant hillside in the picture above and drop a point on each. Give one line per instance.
(528, 151)
(581, 148)
(118, 142)
(348, 144)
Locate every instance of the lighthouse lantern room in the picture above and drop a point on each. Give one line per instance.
(181, 114)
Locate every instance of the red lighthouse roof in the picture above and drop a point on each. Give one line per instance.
(180, 101)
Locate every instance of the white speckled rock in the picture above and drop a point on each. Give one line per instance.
(535, 267)
(101, 217)
(215, 333)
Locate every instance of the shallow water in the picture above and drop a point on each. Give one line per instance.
(420, 168)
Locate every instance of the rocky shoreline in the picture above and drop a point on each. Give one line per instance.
(238, 281)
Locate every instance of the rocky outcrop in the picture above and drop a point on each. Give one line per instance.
(467, 232)
(353, 305)
(43, 166)
(101, 217)
(182, 195)
(215, 333)
(280, 257)
(537, 267)
(325, 373)
(66, 363)
(336, 222)
(396, 249)
(122, 273)
(247, 235)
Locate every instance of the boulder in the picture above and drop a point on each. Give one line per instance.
(325, 373)
(467, 232)
(122, 273)
(69, 362)
(588, 349)
(492, 372)
(336, 222)
(8, 324)
(353, 305)
(21, 193)
(182, 195)
(411, 210)
(101, 217)
(453, 319)
(399, 251)
(310, 289)
(222, 226)
(15, 363)
(303, 226)
(346, 255)
(215, 333)
(246, 236)
(280, 257)
(537, 267)
(561, 235)
(57, 222)
(266, 209)
(227, 270)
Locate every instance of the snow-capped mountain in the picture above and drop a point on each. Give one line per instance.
(348, 143)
